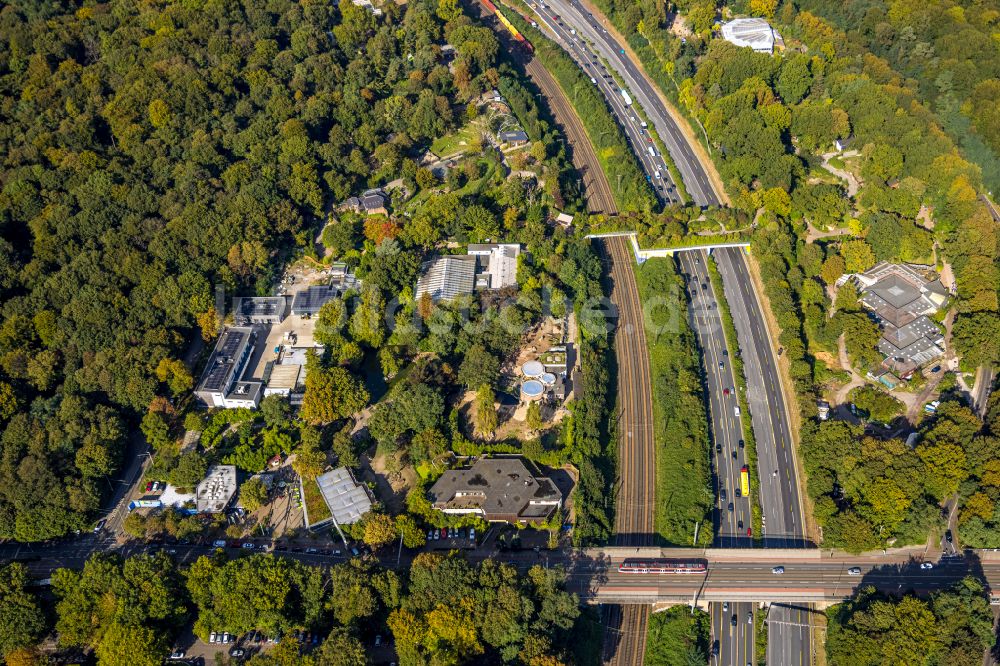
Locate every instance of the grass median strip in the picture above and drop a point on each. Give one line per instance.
(680, 423)
(729, 330)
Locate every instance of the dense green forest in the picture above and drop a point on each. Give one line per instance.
(151, 152)
(155, 153)
(952, 627)
(131, 610)
(946, 49)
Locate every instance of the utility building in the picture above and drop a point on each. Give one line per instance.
(259, 310)
(221, 383)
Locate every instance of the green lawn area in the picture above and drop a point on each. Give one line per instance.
(678, 637)
(680, 424)
(456, 142)
(316, 506)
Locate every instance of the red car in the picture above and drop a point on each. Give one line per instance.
(725, 391)
(444, 532)
(749, 531)
(149, 486)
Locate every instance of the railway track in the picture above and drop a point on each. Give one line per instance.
(597, 190)
(625, 637)
(595, 182)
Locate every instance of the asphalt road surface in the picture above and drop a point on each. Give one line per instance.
(594, 574)
(981, 391)
(788, 634)
(733, 513)
(575, 16)
(638, 137)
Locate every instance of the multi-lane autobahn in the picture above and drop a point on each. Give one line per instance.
(781, 508)
(732, 622)
(621, 105)
(576, 17)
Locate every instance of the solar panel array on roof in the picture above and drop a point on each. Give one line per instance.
(311, 299)
(224, 360)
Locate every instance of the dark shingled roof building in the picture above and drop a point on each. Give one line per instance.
(499, 490)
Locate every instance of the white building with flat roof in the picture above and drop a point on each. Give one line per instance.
(347, 499)
(215, 491)
(754, 33)
(497, 264)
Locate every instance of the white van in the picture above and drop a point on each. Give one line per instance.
(736, 409)
(657, 174)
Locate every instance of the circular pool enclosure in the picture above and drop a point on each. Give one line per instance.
(532, 369)
(532, 390)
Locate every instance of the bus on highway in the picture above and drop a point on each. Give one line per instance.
(745, 480)
(661, 566)
(625, 96)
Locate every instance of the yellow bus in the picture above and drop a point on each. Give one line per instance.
(745, 481)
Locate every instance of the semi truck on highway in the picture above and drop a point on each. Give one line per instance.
(625, 96)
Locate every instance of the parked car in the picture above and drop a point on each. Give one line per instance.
(378, 640)
(926, 565)
(472, 533)
(177, 654)
(213, 637)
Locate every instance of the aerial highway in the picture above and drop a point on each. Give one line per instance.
(576, 17)
(730, 625)
(782, 514)
(620, 101)
(625, 639)
(746, 575)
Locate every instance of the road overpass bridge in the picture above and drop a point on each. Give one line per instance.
(642, 255)
(808, 576)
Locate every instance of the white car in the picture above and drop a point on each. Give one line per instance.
(778, 570)
(854, 571)
(926, 565)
